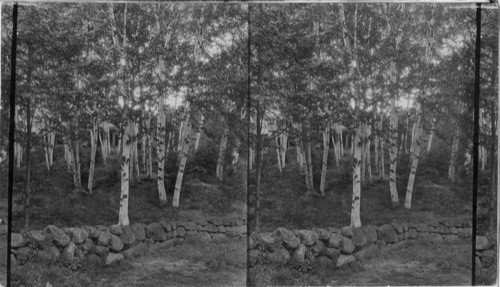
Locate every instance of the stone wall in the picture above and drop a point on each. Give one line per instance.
(107, 245)
(341, 246)
(486, 258)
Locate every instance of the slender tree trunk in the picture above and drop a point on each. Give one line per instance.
(222, 153)
(150, 148)
(182, 165)
(431, 135)
(78, 174)
(105, 149)
(28, 161)
(454, 154)
(356, 179)
(251, 158)
(278, 153)
(137, 171)
(19, 155)
(46, 149)
(198, 133)
(382, 159)
(376, 157)
(160, 140)
(299, 156)
(369, 161)
(326, 143)
(493, 170)
(284, 147)
(416, 156)
(144, 151)
(393, 153)
(124, 196)
(93, 149)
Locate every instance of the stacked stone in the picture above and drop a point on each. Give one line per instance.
(341, 246)
(106, 245)
(486, 256)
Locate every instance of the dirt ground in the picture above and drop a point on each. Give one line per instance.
(152, 272)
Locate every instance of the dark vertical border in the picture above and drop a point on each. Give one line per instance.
(475, 150)
(12, 126)
(248, 137)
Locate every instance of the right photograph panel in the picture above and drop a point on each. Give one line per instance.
(360, 165)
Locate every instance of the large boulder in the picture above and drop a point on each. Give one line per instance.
(49, 254)
(68, 254)
(370, 232)
(298, 256)
(127, 236)
(345, 259)
(116, 229)
(323, 234)
(100, 250)
(156, 232)
(307, 237)
(35, 236)
(115, 244)
(279, 256)
(387, 234)
(112, 258)
(104, 238)
(358, 237)
(318, 247)
(60, 238)
(265, 238)
(335, 240)
(87, 245)
(77, 235)
(92, 232)
(482, 243)
(139, 231)
(347, 246)
(287, 237)
(346, 231)
(17, 240)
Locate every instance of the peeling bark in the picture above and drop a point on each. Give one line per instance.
(356, 180)
(393, 152)
(125, 161)
(416, 156)
(324, 167)
(160, 140)
(182, 165)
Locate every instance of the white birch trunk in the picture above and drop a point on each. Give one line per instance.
(369, 161)
(93, 149)
(222, 153)
(416, 157)
(309, 166)
(393, 152)
(124, 196)
(251, 158)
(150, 149)
(77, 174)
(198, 133)
(182, 165)
(160, 140)
(324, 167)
(284, 148)
(278, 153)
(356, 180)
(144, 151)
(454, 154)
(137, 171)
(431, 135)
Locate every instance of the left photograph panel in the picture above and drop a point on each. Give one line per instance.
(130, 154)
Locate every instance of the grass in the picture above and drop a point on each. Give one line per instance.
(434, 197)
(412, 264)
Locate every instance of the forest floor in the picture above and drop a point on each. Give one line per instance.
(179, 264)
(283, 204)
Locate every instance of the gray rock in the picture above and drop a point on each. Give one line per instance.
(221, 228)
(203, 236)
(68, 254)
(60, 238)
(405, 226)
(104, 238)
(387, 234)
(335, 240)
(181, 232)
(35, 236)
(287, 237)
(113, 258)
(77, 235)
(115, 244)
(49, 254)
(441, 229)
(102, 227)
(139, 231)
(347, 246)
(92, 232)
(370, 232)
(332, 253)
(398, 227)
(307, 237)
(422, 227)
(453, 230)
(115, 229)
(265, 238)
(3, 229)
(435, 238)
(279, 256)
(423, 236)
(87, 245)
(156, 232)
(254, 257)
(358, 237)
(345, 259)
(323, 234)
(451, 238)
(17, 240)
(482, 243)
(166, 225)
(191, 233)
(218, 236)
(191, 226)
(346, 231)
(412, 234)
(333, 229)
(23, 254)
(298, 256)
(318, 247)
(100, 250)
(488, 257)
(127, 236)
